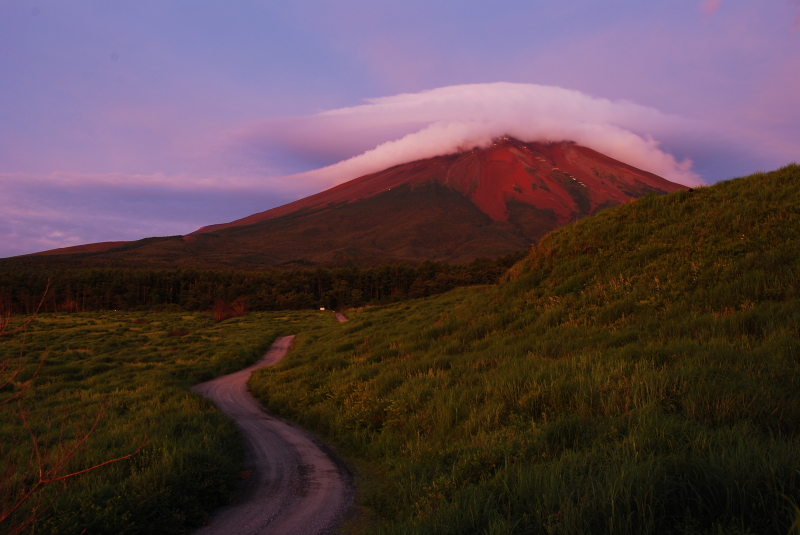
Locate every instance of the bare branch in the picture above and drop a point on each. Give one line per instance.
(95, 467)
(12, 376)
(17, 371)
(48, 464)
(54, 474)
(5, 321)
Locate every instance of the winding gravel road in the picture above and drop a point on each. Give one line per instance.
(297, 486)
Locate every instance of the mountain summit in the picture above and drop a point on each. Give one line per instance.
(482, 202)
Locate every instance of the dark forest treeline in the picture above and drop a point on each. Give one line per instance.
(73, 290)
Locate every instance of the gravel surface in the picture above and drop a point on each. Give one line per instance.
(297, 485)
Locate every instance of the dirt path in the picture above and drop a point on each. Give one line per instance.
(297, 485)
(341, 318)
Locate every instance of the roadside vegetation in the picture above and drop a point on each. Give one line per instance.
(638, 372)
(135, 367)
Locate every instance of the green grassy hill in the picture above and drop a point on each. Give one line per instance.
(638, 372)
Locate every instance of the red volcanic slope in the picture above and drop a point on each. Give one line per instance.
(454, 208)
(564, 179)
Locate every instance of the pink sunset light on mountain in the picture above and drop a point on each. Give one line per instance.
(154, 119)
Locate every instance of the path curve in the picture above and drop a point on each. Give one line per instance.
(297, 485)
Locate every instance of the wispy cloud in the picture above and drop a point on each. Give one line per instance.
(710, 6)
(47, 211)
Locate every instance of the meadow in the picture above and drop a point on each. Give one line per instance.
(638, 372)
(138, 367)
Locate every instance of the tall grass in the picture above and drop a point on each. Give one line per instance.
(638, 372)
(142, 364)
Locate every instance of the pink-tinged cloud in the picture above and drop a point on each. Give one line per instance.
(179, 183)
(710, 6)
(456, 118)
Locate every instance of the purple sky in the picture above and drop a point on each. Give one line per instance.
(126, 119)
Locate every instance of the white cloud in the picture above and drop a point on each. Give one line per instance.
(59, 209)
(449, 119)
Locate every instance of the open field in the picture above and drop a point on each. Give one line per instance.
(638, 373)
(142, 364)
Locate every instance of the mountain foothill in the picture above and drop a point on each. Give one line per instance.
(484, 202)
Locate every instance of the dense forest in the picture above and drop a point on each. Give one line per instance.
(74, 290)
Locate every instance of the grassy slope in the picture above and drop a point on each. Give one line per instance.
(143, 364)
(639, 372)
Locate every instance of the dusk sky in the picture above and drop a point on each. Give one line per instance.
(127, 119)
